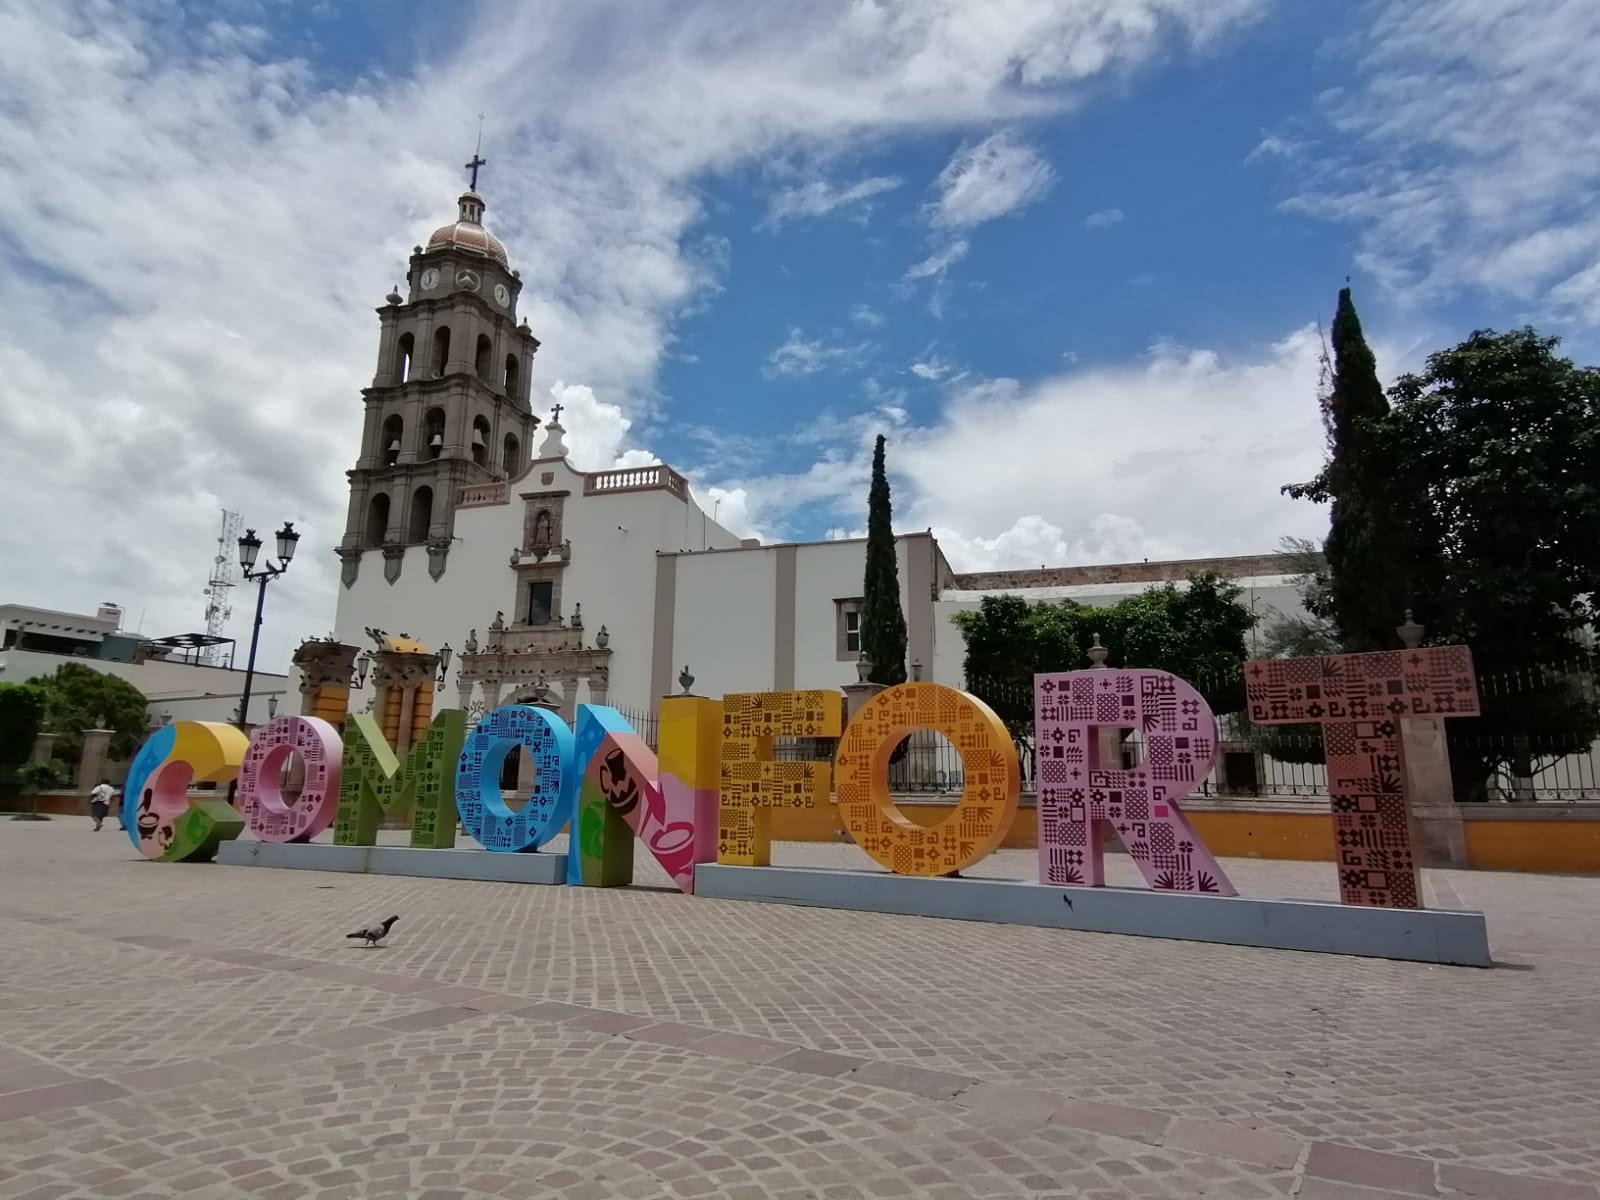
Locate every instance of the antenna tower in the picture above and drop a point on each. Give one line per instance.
(219, 606)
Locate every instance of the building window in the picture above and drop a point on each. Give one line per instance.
(513, 377)
(541, 601)
(847, 629)
(512, 459)
(480, 362)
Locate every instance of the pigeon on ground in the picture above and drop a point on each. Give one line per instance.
(375, 932)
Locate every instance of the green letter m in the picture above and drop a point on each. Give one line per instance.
(375, 782)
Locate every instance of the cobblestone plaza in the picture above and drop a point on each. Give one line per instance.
(207, 1032)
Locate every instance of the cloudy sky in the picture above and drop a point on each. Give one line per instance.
(1070, 255)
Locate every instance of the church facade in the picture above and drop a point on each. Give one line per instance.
(468, 527)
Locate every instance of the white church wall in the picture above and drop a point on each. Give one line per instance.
(825, 573)
(725, 620)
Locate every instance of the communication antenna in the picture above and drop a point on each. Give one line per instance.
(219, 606)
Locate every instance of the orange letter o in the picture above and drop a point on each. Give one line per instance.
(991, 785)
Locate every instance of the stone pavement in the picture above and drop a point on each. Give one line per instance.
(206, 1032)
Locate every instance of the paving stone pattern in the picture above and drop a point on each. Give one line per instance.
(206, 1032)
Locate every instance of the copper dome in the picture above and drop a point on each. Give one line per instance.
(467, 231)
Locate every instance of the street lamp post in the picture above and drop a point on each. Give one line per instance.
(249, 549)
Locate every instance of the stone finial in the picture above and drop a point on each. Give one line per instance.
(394, 298)
(1098, 653)
(685, 680)
(603, 638)
(1410, 633)
(577, 616)
(863, 667)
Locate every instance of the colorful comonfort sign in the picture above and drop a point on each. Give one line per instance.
(1360, 700)
(708, 793)
(162, 821)
(1081, 796)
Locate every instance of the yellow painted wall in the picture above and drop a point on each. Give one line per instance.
(1300, 837)
(1565, 847)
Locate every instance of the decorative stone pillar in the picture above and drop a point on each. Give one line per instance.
(403, 673)
(1425, 759)
(92, 762)
(1108, 737)
(856, 694)
(326, 667)
(44, 747)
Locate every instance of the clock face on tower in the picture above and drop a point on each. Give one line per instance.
(502, 296)
(430, 279)
(467, 279)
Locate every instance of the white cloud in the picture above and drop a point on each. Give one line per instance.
(999, 175)
(866, 315)
(597, 432)
(195, 228)
(1179, 455)
(1103, 219)
(931, 368)
(818, 198)
(1469, 151)
(800, 355)
(941, 260)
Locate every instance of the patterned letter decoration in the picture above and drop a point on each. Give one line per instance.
(1360, 700)
(375, 782)
(479, 803)
(163, 822)
(260, 794)
(751, 784)
(1078, 797)
(991, 780)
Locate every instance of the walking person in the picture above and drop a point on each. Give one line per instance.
(100, 801)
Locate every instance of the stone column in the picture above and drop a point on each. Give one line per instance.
(1441, 838)
(404, 683)
(43, 748)
(858, 693)
(1108, 738)
(325, 668)
(92, 763)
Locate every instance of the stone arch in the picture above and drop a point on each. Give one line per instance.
(432, 433)
(511, 459)
(481, 359)
(441, 349)
(480, 440)
(393, 431)
(421, 515)
(513, 376)
(377, 520)
(404, 356)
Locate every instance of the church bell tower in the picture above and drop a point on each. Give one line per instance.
(448, 406)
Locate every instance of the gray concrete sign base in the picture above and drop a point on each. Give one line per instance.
(1412, 935)
(397, 860)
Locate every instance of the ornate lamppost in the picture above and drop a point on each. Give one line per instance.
(249, 551)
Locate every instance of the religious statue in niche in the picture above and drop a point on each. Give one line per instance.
(543, 540)
(472, 641)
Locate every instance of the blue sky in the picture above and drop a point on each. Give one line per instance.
(1068, 254)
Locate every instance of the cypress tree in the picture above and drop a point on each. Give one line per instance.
(883, 624)
(1369, 565)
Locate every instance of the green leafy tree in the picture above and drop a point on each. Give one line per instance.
(22, 712)
(36, 777)
(1368, 580)
(81, 698)
(1197, 633)
(1503, 436)
(883, 623)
